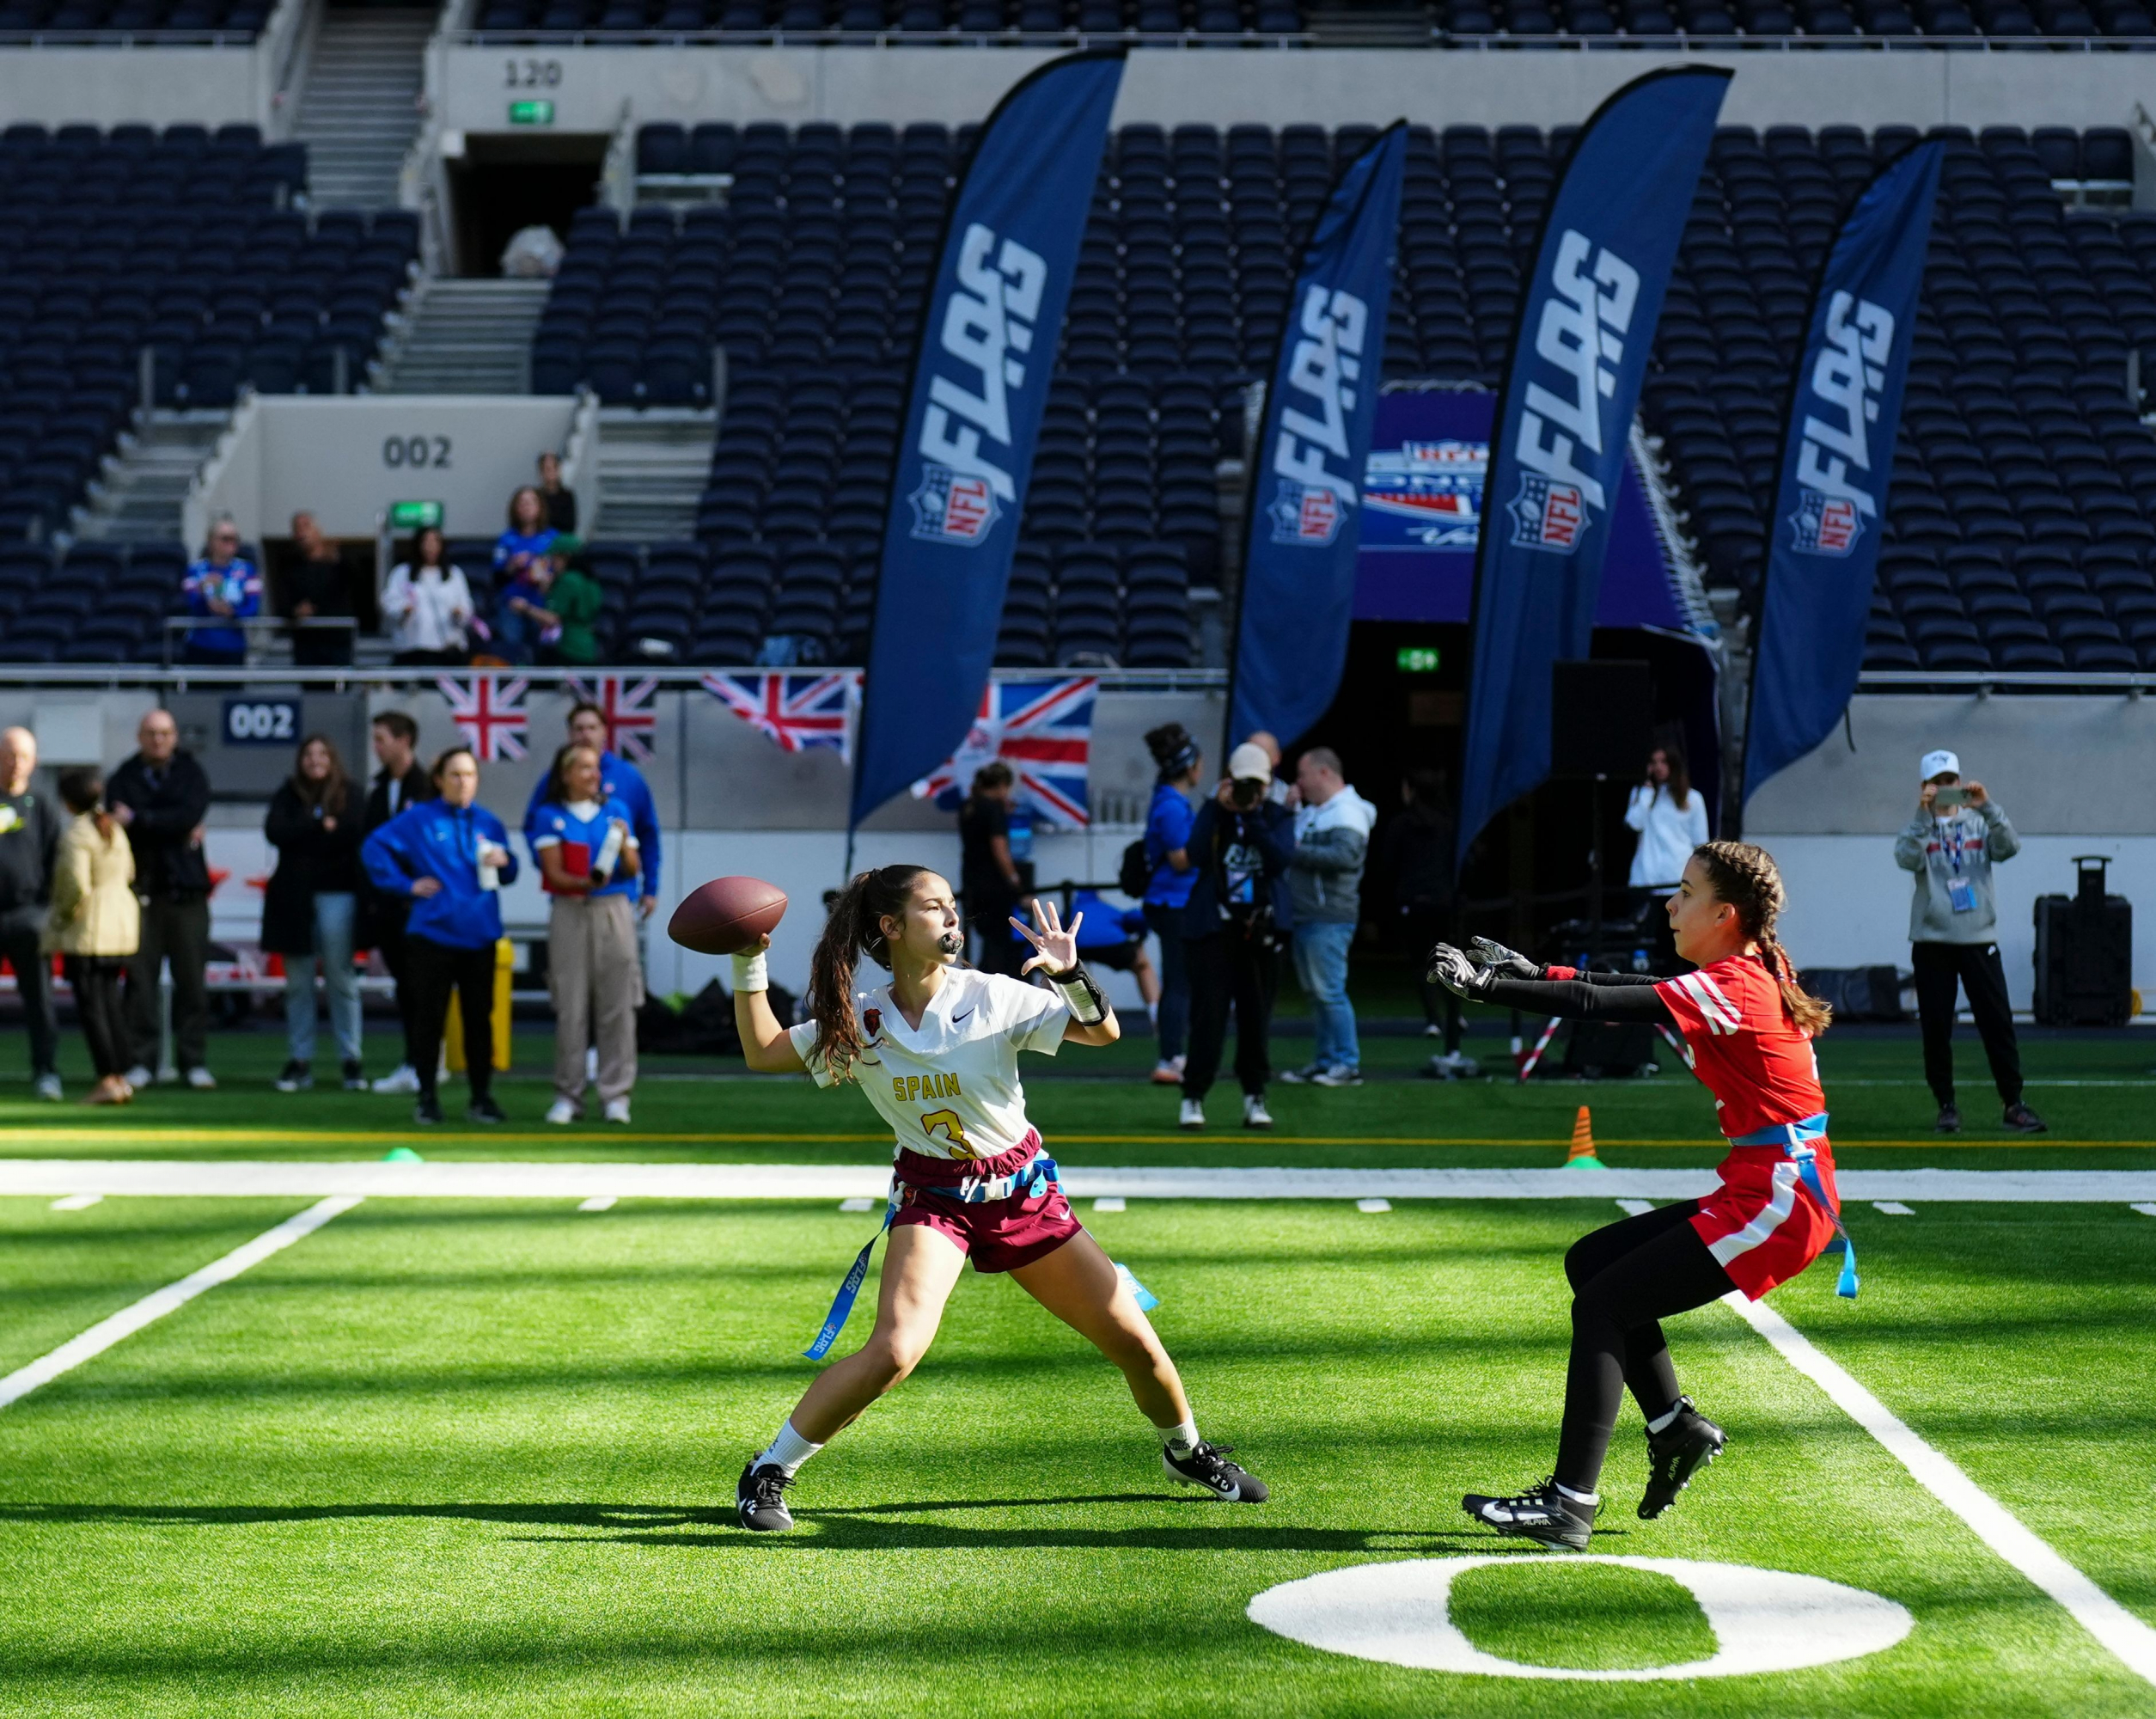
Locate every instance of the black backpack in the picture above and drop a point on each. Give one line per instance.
(1135, 875)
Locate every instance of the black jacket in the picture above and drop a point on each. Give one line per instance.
(312, 860)
(1263, 838)
(29, 832)
(384, 914)
(168, 807)
(417, 785)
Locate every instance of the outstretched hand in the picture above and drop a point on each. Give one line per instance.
(1451, 968)
(1489, 953)
(1054, 947)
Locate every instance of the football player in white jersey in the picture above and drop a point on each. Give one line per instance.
(935, 1051)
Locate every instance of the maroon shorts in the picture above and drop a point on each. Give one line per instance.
(997, 1235)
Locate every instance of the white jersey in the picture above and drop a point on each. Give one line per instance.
(950, 1088)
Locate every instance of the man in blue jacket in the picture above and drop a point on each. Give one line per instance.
(450, 857)
(1239, 913)
(625, 791)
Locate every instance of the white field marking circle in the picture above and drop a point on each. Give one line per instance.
(1763, 1620)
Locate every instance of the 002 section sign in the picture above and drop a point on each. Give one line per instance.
(261, 722)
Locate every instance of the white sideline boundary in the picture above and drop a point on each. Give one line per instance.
(2102, 1617)
(467, 1180)
(155, 1305)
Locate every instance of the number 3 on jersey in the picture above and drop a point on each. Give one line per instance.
(946, 1124)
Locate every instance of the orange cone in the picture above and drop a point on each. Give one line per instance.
(1582, 1155)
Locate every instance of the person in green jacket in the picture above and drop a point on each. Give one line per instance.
(577, 598)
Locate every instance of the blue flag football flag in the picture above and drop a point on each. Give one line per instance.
(1305, 517)
(1837, 457)
(981, 380)
(1579, 358)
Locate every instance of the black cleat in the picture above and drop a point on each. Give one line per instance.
(1543, 1513)
(485, 1110)
(427, 1111)
(1207, 1465)
(1949, 1120)
(759, 1500)
(1687, 1445)
(2022, 1120)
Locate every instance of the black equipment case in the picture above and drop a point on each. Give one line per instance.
(2084, 952)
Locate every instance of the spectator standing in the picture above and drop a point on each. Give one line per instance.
(95, 923)
(316, 588)
(1959, 833)
(310, 910)
(588, 858)
(529, 538)
(223, 586)
(402, 781)
(1168, 821)
(1265, 742)
(1240, 910)
(1332, 847)
(578, 600)
(561, 499)
(428, 605)
(1415, 851)
(29, 841)
(449, 856)
(989, 875)
(623, 787)
(524, 625)
(1670, 817)
(162, 797)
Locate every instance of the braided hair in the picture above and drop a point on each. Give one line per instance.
(1748, 880)
(855, 927)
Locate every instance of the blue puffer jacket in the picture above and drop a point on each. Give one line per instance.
(432, 839)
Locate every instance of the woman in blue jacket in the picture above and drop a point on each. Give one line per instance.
(450, 857)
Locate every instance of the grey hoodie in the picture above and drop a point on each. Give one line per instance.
(1332, 841)
(1928, 846)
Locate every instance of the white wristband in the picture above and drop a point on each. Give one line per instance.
(751, 972)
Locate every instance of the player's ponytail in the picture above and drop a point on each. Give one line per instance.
(854, 927)
(1748, 880)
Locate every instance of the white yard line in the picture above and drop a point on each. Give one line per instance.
(2102, 1617)
(155, 1305)
(597, 1203)
(76, 1203)
(1373, 1205)
(1638, 1209)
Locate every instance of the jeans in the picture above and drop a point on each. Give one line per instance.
(1321, 967)
(333, 915)
(1173, 1010)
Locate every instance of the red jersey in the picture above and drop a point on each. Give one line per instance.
(1743, 1045)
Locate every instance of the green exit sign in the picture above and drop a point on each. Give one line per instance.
(414, 516)
(1416, 659)
(531, 113)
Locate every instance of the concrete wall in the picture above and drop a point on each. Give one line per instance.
(164, 86)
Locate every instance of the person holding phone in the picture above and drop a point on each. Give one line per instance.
(1958, 835)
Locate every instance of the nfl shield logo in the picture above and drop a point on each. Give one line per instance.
(953, 507)
(1546, 516)
(1825, 525)
(1305, 514)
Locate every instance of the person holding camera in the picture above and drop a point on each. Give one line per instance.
(1240, 911)
(1958, 835)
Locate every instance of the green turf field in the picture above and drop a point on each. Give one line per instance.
(478, 1456)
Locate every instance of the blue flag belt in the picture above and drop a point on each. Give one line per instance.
(1795, 1140)
(1028, 1179)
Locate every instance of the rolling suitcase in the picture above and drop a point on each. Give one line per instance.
(2084, 952)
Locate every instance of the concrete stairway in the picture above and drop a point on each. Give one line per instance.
(464, 337)
(652, 468)
(359, 103)
(140, 501)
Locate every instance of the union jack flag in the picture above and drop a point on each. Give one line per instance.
(630, 719)
(489, 713)
(1043, 730)
(798, 711)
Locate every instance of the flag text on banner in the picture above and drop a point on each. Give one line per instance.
(1564, 420)
(489, 712)
(1837, 458)
(988, 347)
(800, 712)
(1042, 728)
(626, 707)
(1305, 517)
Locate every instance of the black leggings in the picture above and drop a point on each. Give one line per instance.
(1625, 1277)
(95, 979)
(434, 969)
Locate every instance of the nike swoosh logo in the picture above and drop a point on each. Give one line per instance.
(954, 1020)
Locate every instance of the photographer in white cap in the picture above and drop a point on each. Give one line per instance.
(1958, 835)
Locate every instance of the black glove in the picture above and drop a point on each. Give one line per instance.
(1508, 964)
(1453, 970)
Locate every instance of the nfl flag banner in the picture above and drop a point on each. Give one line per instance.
(1043, 730)
(980, 381)
(1298, 558)
(1837, 457)
(798, 713)
(489, 713)
(1580, 355)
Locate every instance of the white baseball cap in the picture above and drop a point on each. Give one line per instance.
(1940, 763)
(1249, 763)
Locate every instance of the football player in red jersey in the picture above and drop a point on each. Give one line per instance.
(1747, 1027)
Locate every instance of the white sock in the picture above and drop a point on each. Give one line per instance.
(1180, 1441)
(1578, 1497)
(788, 1450)
(1661, 1421)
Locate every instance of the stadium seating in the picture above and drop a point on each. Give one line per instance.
(93, 23)
(941, 19)
(101, 603)
(186, 245)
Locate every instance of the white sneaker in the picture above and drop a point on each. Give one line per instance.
(1193, 1115)
(1454, 1065)
(404, 1077)
(1341, 1074)
(139, 1075)
(47, 1087)
(1255, 1115)
(617, 1110)
(561, 1112)
(202, 1079)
